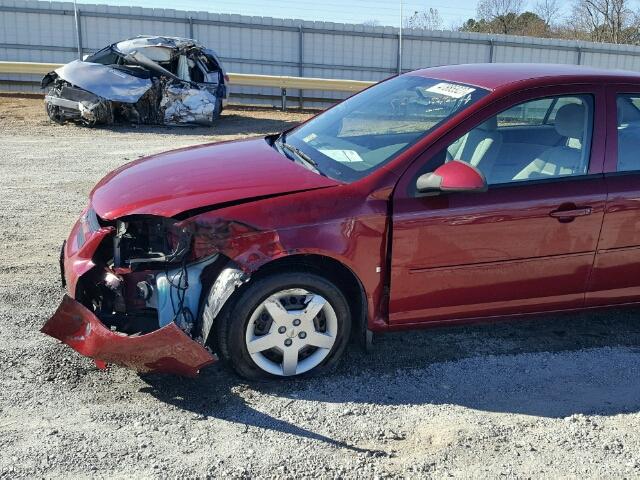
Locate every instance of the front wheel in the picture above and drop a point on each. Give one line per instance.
(284, 325)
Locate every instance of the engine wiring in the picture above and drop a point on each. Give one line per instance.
(182, 315)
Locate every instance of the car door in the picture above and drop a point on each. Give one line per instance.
(527, 244)
(615, 276)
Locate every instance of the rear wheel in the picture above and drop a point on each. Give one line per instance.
(284, 325)
(218, 111)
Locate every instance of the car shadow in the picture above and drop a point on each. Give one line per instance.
(236, 122)
(215, 394)
(551, 367)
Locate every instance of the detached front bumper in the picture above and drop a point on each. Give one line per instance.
(167, 349)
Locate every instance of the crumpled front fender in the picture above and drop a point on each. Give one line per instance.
(167, 349)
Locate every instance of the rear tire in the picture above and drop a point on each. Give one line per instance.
(284, 325)
(218, 111)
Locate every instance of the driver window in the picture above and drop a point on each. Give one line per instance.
(539, 139)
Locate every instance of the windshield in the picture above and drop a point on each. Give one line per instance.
(367, 130)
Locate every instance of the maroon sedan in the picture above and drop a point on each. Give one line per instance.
(441, 196)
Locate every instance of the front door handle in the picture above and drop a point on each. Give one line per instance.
(569, 214)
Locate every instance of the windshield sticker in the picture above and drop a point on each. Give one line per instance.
(451, 89)
(344, 156)
(310, 138)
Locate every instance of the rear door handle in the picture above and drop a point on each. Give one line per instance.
(569, 215)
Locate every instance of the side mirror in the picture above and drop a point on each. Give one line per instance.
(453, 176)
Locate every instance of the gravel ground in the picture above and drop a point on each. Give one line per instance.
(552, 397)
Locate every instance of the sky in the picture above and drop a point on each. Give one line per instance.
(386, 12)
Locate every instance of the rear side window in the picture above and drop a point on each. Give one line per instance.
(628, 127)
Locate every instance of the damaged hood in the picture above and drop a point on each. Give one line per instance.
(104, 81)
(208, 175)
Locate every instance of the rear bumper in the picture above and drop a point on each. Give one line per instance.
(167, 350)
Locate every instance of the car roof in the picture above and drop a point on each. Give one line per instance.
(145, 41)
(496, 75)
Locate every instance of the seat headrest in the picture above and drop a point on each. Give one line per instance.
(489, 125)
(570, 120)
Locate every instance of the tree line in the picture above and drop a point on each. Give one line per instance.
(612, 21)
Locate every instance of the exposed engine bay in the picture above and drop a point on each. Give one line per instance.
(140, 279)
(145, 80)
(147, 275)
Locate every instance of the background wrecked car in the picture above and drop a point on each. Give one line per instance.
(146, 79)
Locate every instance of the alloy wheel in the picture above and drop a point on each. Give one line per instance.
(291, 332)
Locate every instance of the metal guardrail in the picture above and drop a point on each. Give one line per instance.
(244, 79)
(28, 68)
(309, 83)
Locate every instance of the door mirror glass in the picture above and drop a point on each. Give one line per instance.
(453, 176)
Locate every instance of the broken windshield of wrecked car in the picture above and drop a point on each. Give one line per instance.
(364, 132)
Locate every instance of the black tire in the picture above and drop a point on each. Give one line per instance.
(218, 111)
(54, 114)
(231, 324)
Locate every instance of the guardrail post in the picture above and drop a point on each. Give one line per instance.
(399, 54)
(492, 47)
(579, 54)
(300, 63)
(284, 99)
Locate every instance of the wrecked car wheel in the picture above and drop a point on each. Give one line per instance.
(218, 111)
(284, 325)
(54, 114)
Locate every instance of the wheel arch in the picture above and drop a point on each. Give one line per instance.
(323, 265)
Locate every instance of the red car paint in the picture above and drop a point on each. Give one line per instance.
(168, 349)
(78, 258)
(172, 182)
(421, 261)
(456, 175)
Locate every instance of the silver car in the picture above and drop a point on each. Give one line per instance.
(146, 79)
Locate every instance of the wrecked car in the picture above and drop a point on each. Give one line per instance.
(146, 80)
(441, 196)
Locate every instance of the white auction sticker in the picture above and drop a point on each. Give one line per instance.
(451, 89)
(344, 156)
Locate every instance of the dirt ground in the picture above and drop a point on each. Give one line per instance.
(549, 397)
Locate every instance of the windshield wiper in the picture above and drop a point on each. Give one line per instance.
(281, 142)
(299, 153)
